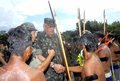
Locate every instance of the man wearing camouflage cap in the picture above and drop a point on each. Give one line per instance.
(31, 28)
(48, 40)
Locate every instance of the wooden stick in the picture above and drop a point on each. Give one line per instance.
(61, 42)
(84, 22)
(79, 22)
(104, 27)
(63, 50)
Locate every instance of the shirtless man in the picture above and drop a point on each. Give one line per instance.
(104, 54)
(20, 41)
(92, 68)
(115, 50)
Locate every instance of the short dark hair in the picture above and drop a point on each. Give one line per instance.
(99, 34)
(89, 40)
(19, 39)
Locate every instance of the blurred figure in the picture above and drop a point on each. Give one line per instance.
(104, 55)
(115, 50)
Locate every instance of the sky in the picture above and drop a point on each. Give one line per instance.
(16, 12)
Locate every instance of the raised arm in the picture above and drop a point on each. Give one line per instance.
(43, 66)
(75, 68)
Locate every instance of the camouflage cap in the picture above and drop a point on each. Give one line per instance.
(49, 22)
(29, 26)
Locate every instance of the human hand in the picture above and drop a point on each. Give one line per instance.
(59, 68)
(51, 52)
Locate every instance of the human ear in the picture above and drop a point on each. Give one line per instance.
(85, 51)
(27, 53)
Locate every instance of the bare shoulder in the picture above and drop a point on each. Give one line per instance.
(104, 52)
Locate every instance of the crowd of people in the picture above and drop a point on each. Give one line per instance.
(101, 55)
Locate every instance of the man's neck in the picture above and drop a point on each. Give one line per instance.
(14, 59)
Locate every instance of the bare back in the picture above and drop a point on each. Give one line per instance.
(15, 73)
(105, 53)
(94, 67)
(115, 57)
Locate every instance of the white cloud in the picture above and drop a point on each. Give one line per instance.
(33, 7)
(94, 8)
(67, 24)
(8, 15)
(38, 26)
(16, 12)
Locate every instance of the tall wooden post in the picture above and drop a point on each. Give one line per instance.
(84, 22)
(79, 22)
(60, 39)
(104, 27)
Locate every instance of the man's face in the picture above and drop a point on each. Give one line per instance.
(80, 46)
(49, 30)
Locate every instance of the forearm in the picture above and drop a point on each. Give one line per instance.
(43, 66)
(116, 59)
(75, 68)
(41, 58)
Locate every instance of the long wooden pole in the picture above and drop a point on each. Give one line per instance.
(63, 50)
(84, 22)
(104, 16)
(61, 42)
(79, 22)
(104, 27)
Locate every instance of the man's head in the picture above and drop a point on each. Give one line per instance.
(49, 26)
(110, 36)
(19, 40)
(28, 26)
(89, 41)
(31, 28)
(100, 36)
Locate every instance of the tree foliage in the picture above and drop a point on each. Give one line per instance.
(114, 27)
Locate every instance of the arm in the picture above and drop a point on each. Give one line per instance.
(43, 66)
(115, 58)
(41, 58)
(75, 68)
(57, 67)
(115, 52)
